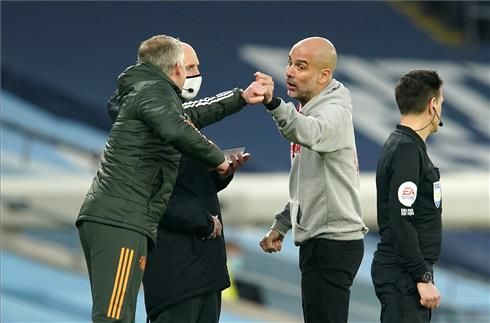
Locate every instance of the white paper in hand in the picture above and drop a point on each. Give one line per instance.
(230, 152)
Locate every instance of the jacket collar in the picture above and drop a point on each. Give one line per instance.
(411, 133)
(163, 75)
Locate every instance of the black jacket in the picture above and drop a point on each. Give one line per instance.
(409, 202)
(185, 264)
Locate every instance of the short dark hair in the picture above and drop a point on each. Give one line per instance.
(415, 89)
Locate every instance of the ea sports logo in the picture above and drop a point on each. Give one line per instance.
(407, 193)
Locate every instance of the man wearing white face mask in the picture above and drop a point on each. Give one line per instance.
(193, 80)
(186, 270)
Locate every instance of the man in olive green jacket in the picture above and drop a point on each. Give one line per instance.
(137, 173)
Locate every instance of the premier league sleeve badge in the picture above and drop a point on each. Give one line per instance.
(437, 194)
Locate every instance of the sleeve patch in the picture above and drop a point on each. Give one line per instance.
(407, 193)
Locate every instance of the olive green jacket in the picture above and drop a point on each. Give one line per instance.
(139, 165)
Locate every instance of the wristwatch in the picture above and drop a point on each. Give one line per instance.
(425, 278)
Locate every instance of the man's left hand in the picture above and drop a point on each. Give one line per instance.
(217, 229)
(268, 83)
(236, 162)
(254, 93)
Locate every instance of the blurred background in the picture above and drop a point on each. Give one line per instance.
(59, 64)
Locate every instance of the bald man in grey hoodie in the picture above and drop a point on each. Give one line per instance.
(324, 210)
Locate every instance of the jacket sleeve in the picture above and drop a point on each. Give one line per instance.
(160, 109)
(328, 128)
(185, 214)
(113, 106)
(405, 170)
(282, 222)
(209, 110)
(221, 183)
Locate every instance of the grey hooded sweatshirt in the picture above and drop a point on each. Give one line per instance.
(324, 179)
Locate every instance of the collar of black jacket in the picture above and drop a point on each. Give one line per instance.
(410, 132)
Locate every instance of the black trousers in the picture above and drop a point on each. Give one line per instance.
(204, 308)
(397, 293)
(328, 268)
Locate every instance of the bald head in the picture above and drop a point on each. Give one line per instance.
(188, 50)
(322, 51)
(310, 68)
(191, 62)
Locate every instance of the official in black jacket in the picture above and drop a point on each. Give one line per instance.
(409, 203)
(186, 271)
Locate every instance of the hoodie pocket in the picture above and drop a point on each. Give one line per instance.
(296, 216)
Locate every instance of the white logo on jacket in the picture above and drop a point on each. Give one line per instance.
(407, 212)
(407, 193)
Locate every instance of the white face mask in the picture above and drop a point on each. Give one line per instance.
(192, 85)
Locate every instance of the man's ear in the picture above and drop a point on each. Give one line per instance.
(179, 69)
(177, 73)
(432, 105)
(325, 76)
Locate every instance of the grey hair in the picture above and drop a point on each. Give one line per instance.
(162, 51)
